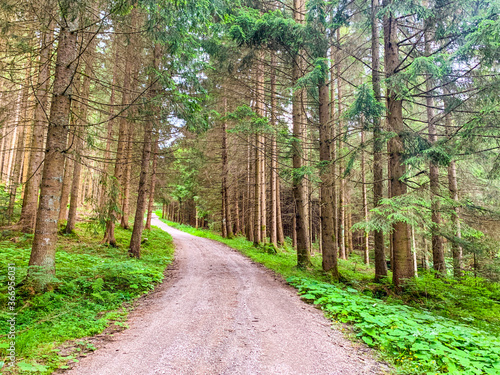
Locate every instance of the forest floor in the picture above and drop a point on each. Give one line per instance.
(221, 313)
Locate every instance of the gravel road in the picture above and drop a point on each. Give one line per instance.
(220, 313)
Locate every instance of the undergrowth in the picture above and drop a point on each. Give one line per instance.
(94, 283)
(435, 326)
(421, 342)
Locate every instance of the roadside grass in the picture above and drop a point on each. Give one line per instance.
(436, 326)
(94, 287)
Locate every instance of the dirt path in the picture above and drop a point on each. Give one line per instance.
(223, 314)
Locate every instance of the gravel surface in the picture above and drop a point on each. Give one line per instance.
(220, 313)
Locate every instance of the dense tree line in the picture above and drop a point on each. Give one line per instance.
(345, 127)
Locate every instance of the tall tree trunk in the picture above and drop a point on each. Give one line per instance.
(250, 192)
(44, 242)
(366, 244)
(227, 229)
(281, 234)
(298, 183)
(453, 190)
(111, 121)
(75, 187)
(124, 223)
(341, 236)
(328, 240)
(259, 218)
(403, 265)
(153, 186)
(437, 240)
(119, 171)
(68, 174)
(18, 150)
(80, 133)
(273, 175)
(378, 144)
(135, 241)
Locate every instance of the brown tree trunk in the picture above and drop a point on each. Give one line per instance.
(378, 144)
(18, 150)
(298, 183)
(250, 193)
(437, 240)
(403, 265)
(281, 234)
(453, 191)
(366, 244)
(124, 223)
(122, 135)
(135, 241)
(328, 240)
(68, 174)
(110, 123)
(44, 242)
(341, 222)
(259, 218)
(75, 188)
(153, 186)
(80, 133)
(226, 225)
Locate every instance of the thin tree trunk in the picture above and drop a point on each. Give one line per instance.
(18, 148)
(414, 251)
(366, 244)
(226, 208)
(437, 240)
(153, 186)
(250, 193)
(75, 188)
(124, 223)
(110, 122)
(281, 234)
(44, 242)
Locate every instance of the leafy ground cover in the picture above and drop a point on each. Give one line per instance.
(420, 341)
(436, 326)
(93, 286)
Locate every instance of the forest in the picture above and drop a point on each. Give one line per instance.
(354, 143)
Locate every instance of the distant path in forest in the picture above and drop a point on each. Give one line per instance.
(220, 313)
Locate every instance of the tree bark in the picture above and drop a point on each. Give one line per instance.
(453, 191)
(378, 144)
(18, 150)
(80, 133)
(403, 265)
(328, 240)
(45, 239)
(298, 183)
(273, 175)
(135, 241)
(437, 240)
(122, 137)
(226, 207)
(366, 244)
(153, 186)
(341, 216)
(30, 200)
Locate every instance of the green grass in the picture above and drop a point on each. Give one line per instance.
(94, 287)
(449, 326)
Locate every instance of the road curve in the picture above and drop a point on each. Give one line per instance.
(223, 314)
